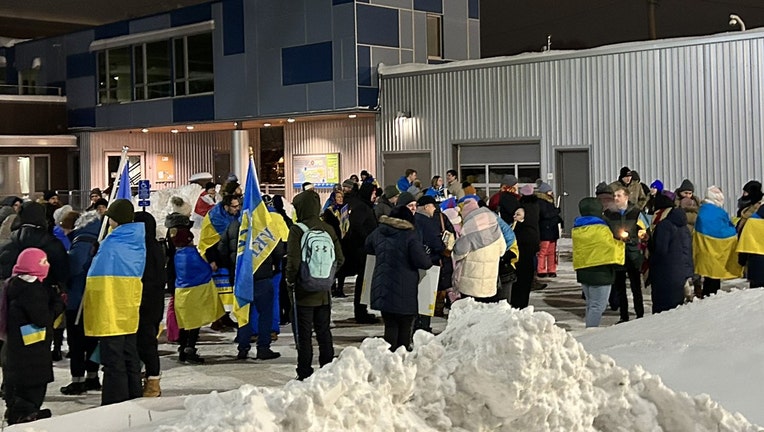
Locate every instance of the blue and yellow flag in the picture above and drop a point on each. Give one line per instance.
(714, 244)
(113, 289)
(594, 245)
(752, 237)
(214, 225)
(30, 334)
(123, 188)
(196, 297)
(259, 234)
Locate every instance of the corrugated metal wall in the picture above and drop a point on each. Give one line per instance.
(193, 152)
(353, 139)
(688, 108)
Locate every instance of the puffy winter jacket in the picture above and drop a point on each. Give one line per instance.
(400, 254)
(477, 253)
(549, 218)
(84, 246)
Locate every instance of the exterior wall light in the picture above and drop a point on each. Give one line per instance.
(735, 20)
(352, 116)
(290, 120)
(144, 130)
(174, 131)
(189, 128)
(266, 124)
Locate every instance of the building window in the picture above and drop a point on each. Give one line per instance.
(487, 178)
(193, 65)
(24, 175)
(272, 155)
(434, 36)
(3, 71)
(114, 76)
(153, 70)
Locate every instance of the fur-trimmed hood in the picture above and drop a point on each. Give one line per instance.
(86, 218)
(396, 223)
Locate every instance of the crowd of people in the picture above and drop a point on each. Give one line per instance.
(108, 293)
(679, 246)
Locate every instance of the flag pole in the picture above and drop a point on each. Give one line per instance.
(105, 221)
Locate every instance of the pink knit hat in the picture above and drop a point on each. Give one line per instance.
(470, 205)
(33, 262)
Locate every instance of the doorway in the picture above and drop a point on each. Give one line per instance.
(573, 183)
(396, 164)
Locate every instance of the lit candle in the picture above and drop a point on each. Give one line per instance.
(624, 234)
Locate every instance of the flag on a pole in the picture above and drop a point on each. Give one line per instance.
(123, 187)
(259, 234)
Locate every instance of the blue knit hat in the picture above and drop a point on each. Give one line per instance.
(657, 184)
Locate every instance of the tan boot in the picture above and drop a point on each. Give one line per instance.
(440, 304)
(152, 387)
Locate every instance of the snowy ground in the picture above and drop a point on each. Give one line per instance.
(491, 369)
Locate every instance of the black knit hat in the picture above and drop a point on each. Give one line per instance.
(625, 172)
(121, 211)
(48, 194)
(402, 212)
(603, 188)
(426, 199)
(686, 186)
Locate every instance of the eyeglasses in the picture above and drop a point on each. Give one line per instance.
(237, 206)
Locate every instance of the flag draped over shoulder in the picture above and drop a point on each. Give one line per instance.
(214, 225)
(259, 234)
(123, 188)
(752, 237)
(594, 244)
(113, 289)
(196, 297)
(714, 244)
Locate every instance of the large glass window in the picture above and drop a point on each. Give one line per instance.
(487, 178)
(114, 76)
(434, 37)
(24, 175)
(160, 69)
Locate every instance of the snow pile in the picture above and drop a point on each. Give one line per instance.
(493, 368)
(161, 206)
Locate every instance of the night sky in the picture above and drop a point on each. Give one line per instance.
(514, 26)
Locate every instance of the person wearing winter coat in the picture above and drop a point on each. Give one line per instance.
(549, 231)
(528, 246)
(362, 223)
(386, 202)
(31, 308)
(506, 201)
(625, 224)
(477, 253)
(204, 203)
(596, 255)
(9, 209)
(687, 201)
(81, 347)
(436, 189)
(750, 248)
(51, 203)
(625, 180)
(749, 202)
(714, 243)
(406, 182)
(312, 309)
(453, 185)
(656, 188)
(400, 254)
(58, 230)
(152, 305)
(670, 261)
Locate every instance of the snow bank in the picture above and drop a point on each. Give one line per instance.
(160, 203)
(493, 368)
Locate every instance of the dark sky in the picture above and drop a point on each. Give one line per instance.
(514, 26)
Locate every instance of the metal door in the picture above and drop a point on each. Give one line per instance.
(572, 183)
(396, 164)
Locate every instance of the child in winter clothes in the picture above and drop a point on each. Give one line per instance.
(30, 307)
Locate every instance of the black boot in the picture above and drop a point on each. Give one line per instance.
(190, 356)
(74, 388)
(243, 354)
(92, 384)
(267, 354)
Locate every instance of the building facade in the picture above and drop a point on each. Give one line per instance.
(671, 109)
(231, 68)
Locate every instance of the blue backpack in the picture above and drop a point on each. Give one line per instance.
(318, 262)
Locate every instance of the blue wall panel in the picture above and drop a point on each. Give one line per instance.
(364, 66)
(473, 9)
(80, 65)
(11, 74)
(377, 25)
(112, 30)
(191, 15)
(306, 64)
(190, 109)
(233, 27)
(435, 6)
(83, 117)
(367, 96)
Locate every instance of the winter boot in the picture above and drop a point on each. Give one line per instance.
(267, 354)
(152, 388)
(190, 356)
(440, 304)
(243, 354)
(92, 384)
(74, 388)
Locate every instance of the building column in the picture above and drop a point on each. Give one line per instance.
(240, 153)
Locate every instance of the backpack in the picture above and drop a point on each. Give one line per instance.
(318, 263)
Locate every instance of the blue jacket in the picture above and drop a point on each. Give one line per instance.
(59, 233)
(506, 232)
(81, 253)
(403, 184)
(400, 254)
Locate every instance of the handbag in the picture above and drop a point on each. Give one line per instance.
(447, 237)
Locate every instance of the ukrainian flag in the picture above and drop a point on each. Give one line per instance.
(752, 237)
(30, 334)
(714, 244)
(113, 289)
(214, 225)
(594, 245)
(259, 234)
(196, 297)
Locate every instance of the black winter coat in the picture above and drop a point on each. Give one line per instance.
(530, 204)
(549, 220)
(626, 222)
(29, 303)
(755, 262)
(670, 260)
(362, 223)
(154, 275)
(400, 254)
(33, 232)
(508, 205)
(227, 248)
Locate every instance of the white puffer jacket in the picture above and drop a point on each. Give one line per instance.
(477, 252)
